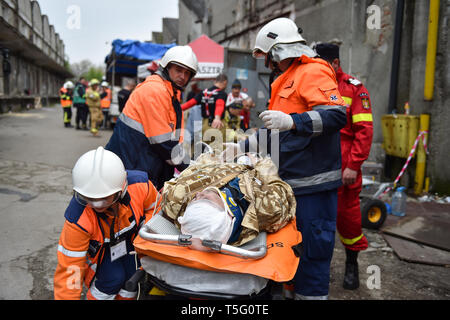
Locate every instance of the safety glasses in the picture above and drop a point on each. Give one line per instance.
(97, 203)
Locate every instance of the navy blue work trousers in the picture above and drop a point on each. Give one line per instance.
(316, 220)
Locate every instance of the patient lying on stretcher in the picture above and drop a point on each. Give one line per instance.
(215, 214)
(228, 202)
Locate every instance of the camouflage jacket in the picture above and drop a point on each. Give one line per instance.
(271, 201)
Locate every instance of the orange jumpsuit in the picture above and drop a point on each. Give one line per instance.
(85, 244)
(356, 140)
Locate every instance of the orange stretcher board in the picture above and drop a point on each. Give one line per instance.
(279, 264)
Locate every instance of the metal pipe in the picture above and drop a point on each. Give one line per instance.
(195, 244)
(433, 26)
(396, 56)
(421, 155)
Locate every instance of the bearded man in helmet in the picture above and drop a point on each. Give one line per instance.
(107, 209)
(149, 133)
(305, 115)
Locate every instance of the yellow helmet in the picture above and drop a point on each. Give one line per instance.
(93, 82)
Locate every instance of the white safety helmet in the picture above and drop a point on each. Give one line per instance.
(182, 56)
(280, 30)
(105, 84)
(98, 174)
(69, 85)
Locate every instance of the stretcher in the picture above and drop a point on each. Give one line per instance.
(174, 265)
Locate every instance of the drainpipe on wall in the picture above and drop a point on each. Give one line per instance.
(396, 56)
(433, 27)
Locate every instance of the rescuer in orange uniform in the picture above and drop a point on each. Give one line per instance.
(149, 133)
(103, 218)
(356, 140)
(306, 113)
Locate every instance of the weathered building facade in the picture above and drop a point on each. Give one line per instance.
(368, 32)
(31, 55)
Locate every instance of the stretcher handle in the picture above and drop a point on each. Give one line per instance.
(132, 283)
(235, 251)
(181, 239)
(210, 245)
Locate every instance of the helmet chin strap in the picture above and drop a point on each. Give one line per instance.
(124, 190)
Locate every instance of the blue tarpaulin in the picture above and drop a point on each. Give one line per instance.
(132, 49)
(128, 54)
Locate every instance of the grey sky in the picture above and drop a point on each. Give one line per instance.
(102, 21)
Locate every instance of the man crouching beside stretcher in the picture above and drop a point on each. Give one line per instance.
(229, 202)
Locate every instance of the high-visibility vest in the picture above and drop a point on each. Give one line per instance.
(65, 98)
(106, 101)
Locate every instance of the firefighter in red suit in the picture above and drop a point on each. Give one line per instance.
(356, 140)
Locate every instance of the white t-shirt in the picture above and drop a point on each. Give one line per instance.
(231, 98)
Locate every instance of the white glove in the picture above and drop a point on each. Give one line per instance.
(277, 120)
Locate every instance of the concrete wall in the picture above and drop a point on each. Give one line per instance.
(365, 53)
(190, 22)
(36, 56)
(438, 166)
(170, 30)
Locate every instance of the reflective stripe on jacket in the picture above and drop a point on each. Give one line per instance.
(309, 156)
(149, 133)
(356, 136)
(85, 234)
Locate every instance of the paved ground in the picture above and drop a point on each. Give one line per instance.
(36, 157)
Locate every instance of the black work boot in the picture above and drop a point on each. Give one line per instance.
(351, 277)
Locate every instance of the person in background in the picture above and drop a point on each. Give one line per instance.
(105, 102)
(356, 140)
(149, 133)
(107, 209)
(66, 98)
(232, 121)
(93, 102)
(247, 105)
(236, 95)
(79, 102)
(212, 102)
(194, 120)
(124, 94)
